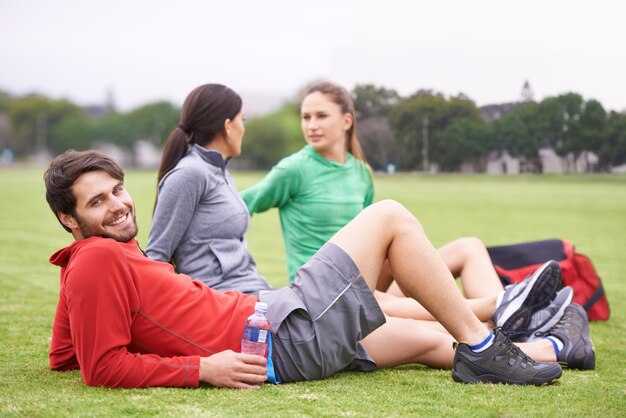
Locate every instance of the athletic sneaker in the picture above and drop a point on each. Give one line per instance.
(503, 362)
(546, 318)
(520, 301)
(573, 331)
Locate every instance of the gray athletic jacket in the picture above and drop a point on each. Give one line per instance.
(200, 222)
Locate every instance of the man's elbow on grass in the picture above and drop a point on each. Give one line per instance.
(61, 361)
(103, 378)
(94, 376)
(64, 367)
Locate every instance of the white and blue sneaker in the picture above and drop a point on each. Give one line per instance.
(546, 318)
(520, 301)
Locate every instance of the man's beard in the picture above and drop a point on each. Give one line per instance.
(125, 235)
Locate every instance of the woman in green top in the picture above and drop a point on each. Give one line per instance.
(316, 197)
(323, 186)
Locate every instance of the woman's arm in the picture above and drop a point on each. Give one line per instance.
(275, 190)
(369, 195)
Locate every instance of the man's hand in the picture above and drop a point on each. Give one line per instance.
(233, 370)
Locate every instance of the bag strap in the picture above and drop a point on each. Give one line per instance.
(595, 297)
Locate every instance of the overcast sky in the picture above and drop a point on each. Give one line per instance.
(147, 50)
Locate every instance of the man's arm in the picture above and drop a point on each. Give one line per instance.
(101, 301)
(101, 298)
(62, 355)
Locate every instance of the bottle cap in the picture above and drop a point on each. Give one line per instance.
(260, 306)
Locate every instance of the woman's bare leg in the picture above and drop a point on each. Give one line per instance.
(388, 231)
(468, 259)
(395, 290)
(385, 278)
(405, 307)
(541, 350)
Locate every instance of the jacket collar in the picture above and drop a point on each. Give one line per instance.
(210, 156)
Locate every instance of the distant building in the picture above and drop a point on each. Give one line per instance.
(122, 157)
(527, 92)
(96, 111)
(147, 155)
(496, 111)
(99, 110)
(502, 163)
(551, 163)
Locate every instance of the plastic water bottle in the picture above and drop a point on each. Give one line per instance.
(256, 332)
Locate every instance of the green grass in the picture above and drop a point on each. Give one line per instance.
(590, 211)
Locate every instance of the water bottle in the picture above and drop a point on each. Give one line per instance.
(256, 332)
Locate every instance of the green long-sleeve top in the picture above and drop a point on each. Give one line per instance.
(315, 197)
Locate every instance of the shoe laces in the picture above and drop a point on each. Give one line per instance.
(564, 325)
(513, 350)
(565, 322)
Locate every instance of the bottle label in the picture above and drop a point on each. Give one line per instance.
(255, 334)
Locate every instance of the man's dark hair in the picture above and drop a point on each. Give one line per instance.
(63, 172)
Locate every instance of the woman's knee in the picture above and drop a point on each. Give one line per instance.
(393, 213)
(469, 246)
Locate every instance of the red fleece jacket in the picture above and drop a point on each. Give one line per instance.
(128, 321)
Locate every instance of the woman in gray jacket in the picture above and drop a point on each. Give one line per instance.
(199, 218)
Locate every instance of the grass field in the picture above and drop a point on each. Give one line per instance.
(590, 211)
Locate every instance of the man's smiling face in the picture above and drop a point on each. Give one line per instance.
(103, 208)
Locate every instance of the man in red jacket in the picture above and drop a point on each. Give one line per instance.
(128, 321)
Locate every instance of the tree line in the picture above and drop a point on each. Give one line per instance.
(418, 132)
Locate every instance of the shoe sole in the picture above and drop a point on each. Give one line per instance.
(552, 321)
(490, 378)
(537, 295)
